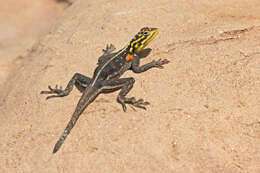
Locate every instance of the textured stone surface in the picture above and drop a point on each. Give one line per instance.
(204, 114)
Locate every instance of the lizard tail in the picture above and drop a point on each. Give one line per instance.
(84, 101)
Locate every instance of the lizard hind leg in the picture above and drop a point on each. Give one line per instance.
(125, 84)
(79, 80)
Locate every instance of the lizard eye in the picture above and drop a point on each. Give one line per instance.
(146, 33)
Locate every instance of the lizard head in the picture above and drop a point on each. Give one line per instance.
(142, 39)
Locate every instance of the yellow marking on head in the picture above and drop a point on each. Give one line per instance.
(142, 39)
(129, 57)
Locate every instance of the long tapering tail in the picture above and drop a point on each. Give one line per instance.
(88, 96)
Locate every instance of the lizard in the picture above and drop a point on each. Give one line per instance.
(106, 78)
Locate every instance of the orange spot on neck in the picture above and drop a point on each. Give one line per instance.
(128, 57)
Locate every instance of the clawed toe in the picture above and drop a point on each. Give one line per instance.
(141, 104)
(57, 90)
(52, 96)
(109, 48)
(132, 101)
(159, 63)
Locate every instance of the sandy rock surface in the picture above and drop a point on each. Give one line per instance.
(205, 104)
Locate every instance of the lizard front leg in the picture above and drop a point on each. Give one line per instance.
(106, 52)
(125, 84)
(109, 49)
(79, 80)
(139, 69)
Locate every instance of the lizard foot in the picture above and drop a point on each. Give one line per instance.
(137, 103)
(58, 91)
(109, 48)
(159, 63)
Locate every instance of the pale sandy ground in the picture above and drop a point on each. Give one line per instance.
(205, 105)
(22, 22)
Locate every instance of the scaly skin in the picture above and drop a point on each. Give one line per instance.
(106, 77)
